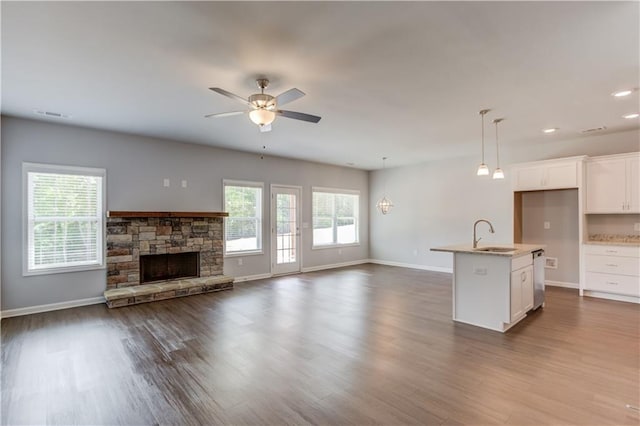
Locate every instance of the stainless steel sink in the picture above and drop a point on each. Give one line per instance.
(495, 249)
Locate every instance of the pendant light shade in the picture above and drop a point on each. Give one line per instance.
(498, 173)
(384, 204)
(483, 169)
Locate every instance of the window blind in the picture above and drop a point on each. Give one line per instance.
(64, 216)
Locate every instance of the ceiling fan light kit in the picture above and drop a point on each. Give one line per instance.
(264, 107)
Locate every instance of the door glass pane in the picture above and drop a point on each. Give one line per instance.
(286, 228)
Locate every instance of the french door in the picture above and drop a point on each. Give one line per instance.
(285, 229)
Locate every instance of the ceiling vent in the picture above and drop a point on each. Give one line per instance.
(51, 114)
(594, 129)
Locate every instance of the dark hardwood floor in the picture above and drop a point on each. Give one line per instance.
(362, 345)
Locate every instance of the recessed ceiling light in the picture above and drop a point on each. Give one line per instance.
(622, 93)
(634, 115)
(550, 130)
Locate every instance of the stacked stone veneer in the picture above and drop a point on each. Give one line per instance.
(129, 238)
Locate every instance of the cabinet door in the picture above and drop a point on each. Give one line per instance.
(606, 192)
(517, 310)
(561, 176)
(527, 288)
(633, 184)
(529, 178)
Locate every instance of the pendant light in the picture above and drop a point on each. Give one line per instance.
(498, 173)
(384, 204)
(483, 170)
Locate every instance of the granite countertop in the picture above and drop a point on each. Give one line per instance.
(518, 249)
(614, 240)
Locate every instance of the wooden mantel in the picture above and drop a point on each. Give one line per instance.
(116, 213)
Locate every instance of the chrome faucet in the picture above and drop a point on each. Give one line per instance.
(475, 226)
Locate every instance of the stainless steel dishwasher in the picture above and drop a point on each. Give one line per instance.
(539, 260)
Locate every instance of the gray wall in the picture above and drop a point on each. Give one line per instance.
(560, 209)
(135, 168)
(436, 203)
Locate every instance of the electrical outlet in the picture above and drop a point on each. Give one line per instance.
(636, 226)
(184, 183)
(415, 252)
(339, 251)
(547, 225)
(551, 263)
(240, 262)
(166, 182)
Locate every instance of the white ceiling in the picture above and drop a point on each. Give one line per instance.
(403, 80)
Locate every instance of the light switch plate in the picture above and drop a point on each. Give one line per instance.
(166, 182)
(184, 183)
(547, 225)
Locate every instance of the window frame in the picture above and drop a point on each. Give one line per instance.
(27, 237)
(260, 233)
(335, 191)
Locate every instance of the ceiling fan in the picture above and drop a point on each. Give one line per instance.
(263, 108)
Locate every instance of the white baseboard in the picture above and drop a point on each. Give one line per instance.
(561, 284)
(251, 278)
(335, 265)
(412, 266)
(52, 307)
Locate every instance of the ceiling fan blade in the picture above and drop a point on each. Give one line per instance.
(224, 114)
(265, 128)
(299, 116)
(289, 96)
(230, 95)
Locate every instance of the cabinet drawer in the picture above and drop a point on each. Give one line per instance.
(522, 261)
(609, 283)
(613, 265)
(606, 250)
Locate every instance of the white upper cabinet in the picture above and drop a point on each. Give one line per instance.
(613, 184)
(552, 174)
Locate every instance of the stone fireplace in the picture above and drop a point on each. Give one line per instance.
(141, 247)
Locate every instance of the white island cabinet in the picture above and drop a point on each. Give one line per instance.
(492, 289)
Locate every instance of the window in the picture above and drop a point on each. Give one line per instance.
(335, 217)
(243, 227)
(64, 223)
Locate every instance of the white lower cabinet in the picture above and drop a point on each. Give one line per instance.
(521, 292)
(612, 270)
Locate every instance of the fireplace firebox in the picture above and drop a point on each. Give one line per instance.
(163, 267)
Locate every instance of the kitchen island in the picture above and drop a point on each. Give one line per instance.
(492, 286)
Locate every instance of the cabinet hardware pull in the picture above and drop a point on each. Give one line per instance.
(612, 283)
(523, 276)
(623, 206)
(611, 251)
(612, 265)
